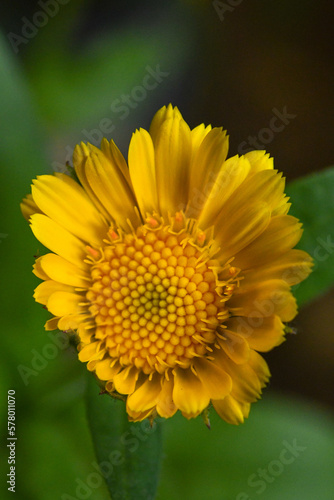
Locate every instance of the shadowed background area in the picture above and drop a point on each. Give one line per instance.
(78, 70)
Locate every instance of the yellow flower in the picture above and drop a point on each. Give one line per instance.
(173, 271)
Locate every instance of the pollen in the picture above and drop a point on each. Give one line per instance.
(155, 299)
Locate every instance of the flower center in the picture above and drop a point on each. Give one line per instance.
(155, 299)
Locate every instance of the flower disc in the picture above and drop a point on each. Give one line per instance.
(156, 300)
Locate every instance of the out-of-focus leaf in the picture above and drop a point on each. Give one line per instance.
(129, 453)
(112, 72)
(283, 451)
(21, 157)
(56, 457)
(312, 200)
(21, 131)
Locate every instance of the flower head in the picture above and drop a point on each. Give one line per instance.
(173, 271)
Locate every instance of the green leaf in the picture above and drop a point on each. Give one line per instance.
(286, 441)
(129, 454)
(312, 199)
(22, 156)
(22, 150)
(109, 68)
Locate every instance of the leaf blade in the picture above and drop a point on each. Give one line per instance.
(312, 200)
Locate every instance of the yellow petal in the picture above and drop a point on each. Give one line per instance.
(259, 160)
(85, 333)
(29, 207)
(125, 381)
(70, 322)
(261, 334)
(235, 346)
(231, 410)
(44, 291)
(89, 351)
(142, 171)
(106, 369)
(138, 416)
(146, 396)
(51, 324)
(248, 378)
(64, 303)
(190, 415)
(260, 367)
(189, 393)
(111, 189)
(282, 208)
(160, 116)
(266, 298)
(197, 136)
(64, 201)
(233, 185)
(59, 240)
(282, 234)
(293, 267)
(204, 168)
(241, 228)
(172, 159)
(60, 269)
(267, 186)
(116, 158)
(38, 271)
(231, 175)
(216, 381)
(80, 155)
(165, 405)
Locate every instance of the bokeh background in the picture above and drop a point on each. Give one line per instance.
(75, 70)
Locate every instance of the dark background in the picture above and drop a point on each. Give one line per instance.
(229, 66)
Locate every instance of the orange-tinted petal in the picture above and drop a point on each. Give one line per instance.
(189, 393)
(125, 381)
(267, 298)
(282, 234)
(29, 207)
(293, 267)
(261, 333)
(165, 405)
(231, 410)
(106, 369)
(204, 168)
(235, 346)
(146, 396)
(215, 380)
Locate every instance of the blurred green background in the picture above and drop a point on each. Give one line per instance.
(75, 70)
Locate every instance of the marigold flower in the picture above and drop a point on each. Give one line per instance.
(173, 271)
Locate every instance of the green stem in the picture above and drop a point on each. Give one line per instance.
(129, 454)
